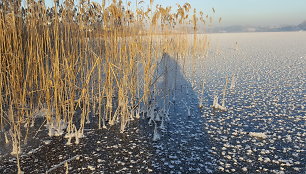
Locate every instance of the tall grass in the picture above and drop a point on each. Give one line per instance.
(84, 60)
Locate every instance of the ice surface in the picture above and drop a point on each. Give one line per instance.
(262, 130)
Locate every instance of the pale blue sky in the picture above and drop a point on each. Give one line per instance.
(246, 12)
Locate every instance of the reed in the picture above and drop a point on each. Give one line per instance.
(86, 60)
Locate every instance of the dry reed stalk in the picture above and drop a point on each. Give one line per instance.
(224, 91)
(99, 59)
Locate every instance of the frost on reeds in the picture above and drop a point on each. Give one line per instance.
(56, 128)
(188, 107)
(156, 135)
(216, 104)
(233, 82)
(201, 96)
(86, 61)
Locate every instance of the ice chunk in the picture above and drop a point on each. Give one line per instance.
(258, 135)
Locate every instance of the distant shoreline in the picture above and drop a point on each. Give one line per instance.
(238, 32)
(241, 28)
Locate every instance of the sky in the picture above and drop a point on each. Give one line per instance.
(245, 12)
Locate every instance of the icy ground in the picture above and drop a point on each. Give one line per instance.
(263, 129)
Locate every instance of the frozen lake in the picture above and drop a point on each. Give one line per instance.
(262, 131)
(264, 127)
(268, 97)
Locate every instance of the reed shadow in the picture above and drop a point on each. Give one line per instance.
(174, 90)
(185, 137)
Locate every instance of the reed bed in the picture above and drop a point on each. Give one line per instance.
(77, 61)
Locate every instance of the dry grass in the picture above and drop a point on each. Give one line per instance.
(99, 59)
